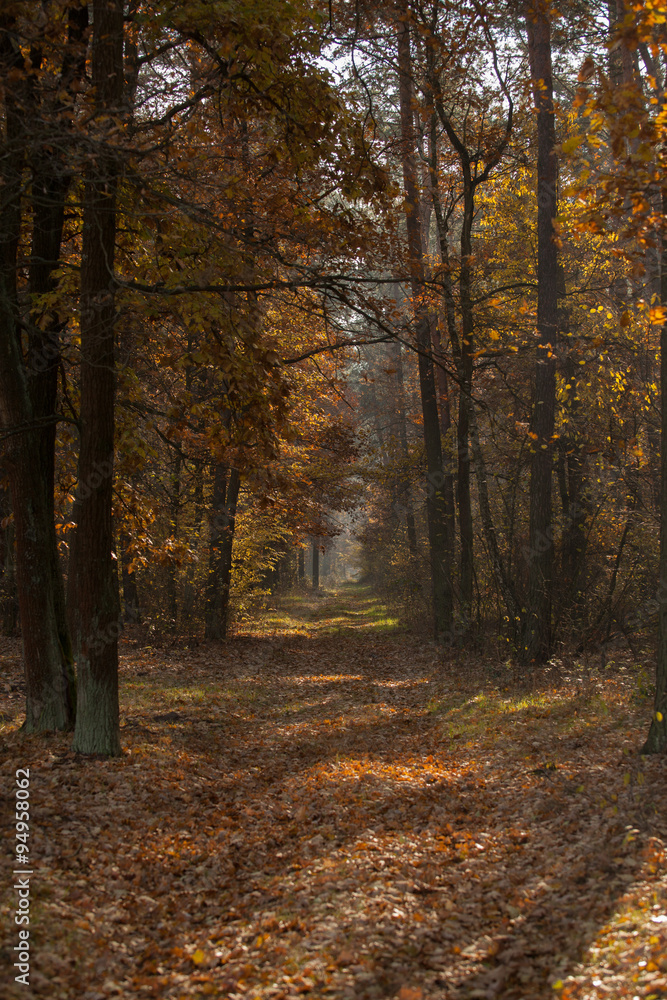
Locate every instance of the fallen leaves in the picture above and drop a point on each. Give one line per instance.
(288, 832)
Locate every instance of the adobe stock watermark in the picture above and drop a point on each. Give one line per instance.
(23, 870)
(101, 471)
(46, 356)
(546, 194)
(546, 539)
(103, 637)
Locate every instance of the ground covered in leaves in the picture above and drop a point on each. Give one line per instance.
(332, 807)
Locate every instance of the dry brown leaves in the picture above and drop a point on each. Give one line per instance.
(333, 811)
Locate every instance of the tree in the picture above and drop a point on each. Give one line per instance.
(436, 506)
(537, 637)
(223, 517)
(93, 599)
(27, 397)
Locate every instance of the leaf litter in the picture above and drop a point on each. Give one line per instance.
(330, 807)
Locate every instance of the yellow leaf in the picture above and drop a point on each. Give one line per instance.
(198, 957)
(571, 144)
(558, 985)
(659, 716)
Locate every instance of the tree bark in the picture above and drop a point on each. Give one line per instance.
(9, 608)
(92, 590)
(436, 509)
(48, 666)
(536, 645)
(226, 487)
(656, 741)
(446, 437)
(51, 177)
(404, 482)
(465, 401)
(463, 352)
(174, 519)
(575, 506)
(316, 564)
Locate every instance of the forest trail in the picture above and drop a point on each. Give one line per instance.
(328, 806)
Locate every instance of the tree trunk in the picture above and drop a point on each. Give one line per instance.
(223, 521)
(316, 564)
(194, 535)
(446, 431)
(174, 518)
(9, 608)
(302, 566)
(51, 177)
(47, 660)
(436, 509)
(537, 638)
(48, 668)
(656, 741)
(404, 484)
(463, 358)
(574, 505)
(465, 403)
(92, 590)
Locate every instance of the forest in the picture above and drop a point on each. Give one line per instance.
(333, 614)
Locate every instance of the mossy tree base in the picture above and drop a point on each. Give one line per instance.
(97, 728)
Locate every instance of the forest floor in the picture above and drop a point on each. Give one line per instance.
(329, 806)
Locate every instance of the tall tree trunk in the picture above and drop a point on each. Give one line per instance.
(223, 522)
(656, 741)
(9, 608)
(174, 512)
(537, 638)
(301, 573)
(92, 590)
(465, 401)
(463, 358)
(446, 431)
(430, 178)
(574, 504)
(48, 667)
(436, 509)
(47, 660)
(51, 177)
(404, 485)
(316, 564)
(194, 538)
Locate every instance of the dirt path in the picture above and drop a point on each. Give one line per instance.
(329, 807)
